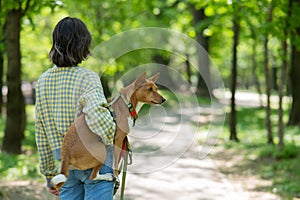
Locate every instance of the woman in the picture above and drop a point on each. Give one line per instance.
(62, 94)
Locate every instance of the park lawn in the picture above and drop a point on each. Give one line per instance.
(281, 168)
(26, 165)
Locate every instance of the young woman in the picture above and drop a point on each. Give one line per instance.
(62, 94)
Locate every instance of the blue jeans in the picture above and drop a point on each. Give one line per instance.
(80, 187)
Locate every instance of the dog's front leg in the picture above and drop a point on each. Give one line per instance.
(118, 144)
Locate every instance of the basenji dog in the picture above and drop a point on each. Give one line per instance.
(81, 148)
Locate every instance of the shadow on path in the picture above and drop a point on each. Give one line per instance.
(166, 162)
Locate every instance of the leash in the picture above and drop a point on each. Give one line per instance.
(126, 149)
(124, 175)
(126, 154)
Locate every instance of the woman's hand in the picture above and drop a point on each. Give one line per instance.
(53, 191)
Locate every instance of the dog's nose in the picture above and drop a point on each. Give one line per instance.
(163, 100)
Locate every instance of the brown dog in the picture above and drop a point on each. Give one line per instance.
(81, 148)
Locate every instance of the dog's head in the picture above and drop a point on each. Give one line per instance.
(145, 90)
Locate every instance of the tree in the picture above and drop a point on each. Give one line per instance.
(294, 118)
(236, 32)
(2, 47)
(15, 123)
(203, 60)
(268, 79)
(1, 68)
(284, 67)
(15, 107)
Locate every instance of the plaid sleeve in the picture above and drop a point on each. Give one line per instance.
(46, 159)
(97, 116)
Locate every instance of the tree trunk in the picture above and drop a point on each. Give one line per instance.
(282, 83)
(294, 118)
(15, 123)
(254, 72)
(1, 76)
(188, 69)
(268, 93)
(160, 59)
(203, 84)
(2, 47)
(236, 32)
(268, 82)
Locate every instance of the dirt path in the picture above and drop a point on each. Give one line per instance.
(167, 163)
(188, 178)
(24, 190)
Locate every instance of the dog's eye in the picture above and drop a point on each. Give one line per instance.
(150, 89)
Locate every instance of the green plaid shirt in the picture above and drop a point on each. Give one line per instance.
(62, 94)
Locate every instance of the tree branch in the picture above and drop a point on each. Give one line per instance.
(27, 6)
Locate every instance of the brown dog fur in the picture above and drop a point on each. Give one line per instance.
(81, 148)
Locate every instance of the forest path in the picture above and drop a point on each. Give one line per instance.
(170, 163)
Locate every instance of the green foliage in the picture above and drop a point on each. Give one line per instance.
(105, 18)
(19, 167)
(289, 151)
(283, 170)
(35, 51)
(24, 166)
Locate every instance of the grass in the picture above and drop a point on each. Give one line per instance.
(24, 166)
(268, 162)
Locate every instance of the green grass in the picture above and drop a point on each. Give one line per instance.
(268, 162)
(24, 166)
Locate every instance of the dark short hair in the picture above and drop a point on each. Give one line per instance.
(71, 43)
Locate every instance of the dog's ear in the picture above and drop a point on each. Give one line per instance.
(154, 78)
(140, 80)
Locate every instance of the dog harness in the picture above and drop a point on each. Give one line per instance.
(131, 109)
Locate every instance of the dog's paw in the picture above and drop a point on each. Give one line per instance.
(60, 178)
(104, 177)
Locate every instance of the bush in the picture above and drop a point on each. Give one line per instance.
(289, 151)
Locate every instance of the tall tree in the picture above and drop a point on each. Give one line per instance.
(15, 123)
(280, 91)
(1, 69)
(199, 18)
(294, 118)
(15, 107)
(254, 69)
(267, 78)
(284, 67)
(236, 32)
(2, 47)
